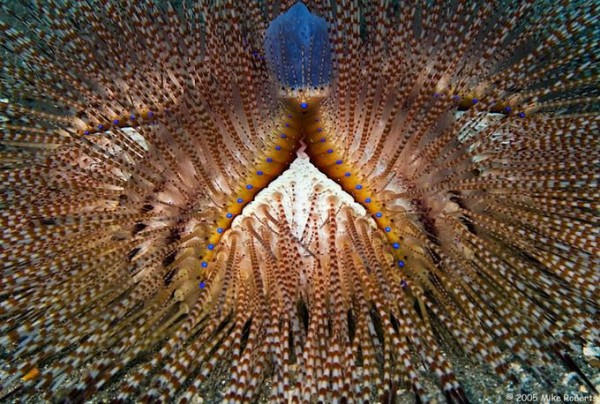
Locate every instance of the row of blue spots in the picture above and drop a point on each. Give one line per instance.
(230, 215)
(132, 117)
(220, 230)
(387, 229)
(277, 147)
(395, 245)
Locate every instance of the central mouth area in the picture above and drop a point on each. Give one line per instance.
(303, 191)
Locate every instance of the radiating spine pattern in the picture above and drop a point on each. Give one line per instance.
(300, 202)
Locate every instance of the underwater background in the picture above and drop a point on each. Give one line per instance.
(281, 201)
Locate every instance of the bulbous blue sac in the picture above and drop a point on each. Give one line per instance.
(298, 50)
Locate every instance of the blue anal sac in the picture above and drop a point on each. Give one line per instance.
(298, 49)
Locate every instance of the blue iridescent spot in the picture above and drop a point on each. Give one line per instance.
(521, 114)
(283, 135)
(249, 186)
(319, 129)
(338, 162)
(211, 247)
(202, 285)
(150, 114)
(204, 264)
(475, 100)
(229, 215)
(401, 264)
(329, 151)
(358, 186)
(87, 132)
(220, 230)
(278, 147)
(132, 117)
(287, 125)
(323, 140)
(403, 283)
(396, 246)
(269, 160)
(388, 229)
(259, 172)
(456, 97)
(378, 214)
(116, 121)
(100, 126)
(347, 174)
(368, 200)
(240, 200)
(508, 109)
(303, 105)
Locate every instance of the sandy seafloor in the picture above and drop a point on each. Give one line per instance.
(480, 385)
